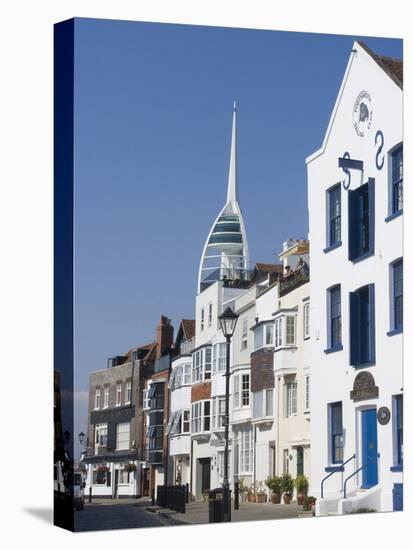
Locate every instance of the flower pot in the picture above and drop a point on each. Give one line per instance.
(261, 497)
(275, 498)
(286, 498)
(300, 498)
(251, 498)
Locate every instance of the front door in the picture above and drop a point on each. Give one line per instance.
(206, 474)
(369, 448)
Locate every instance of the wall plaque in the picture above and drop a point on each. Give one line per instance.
(364, 387)
(383, 415)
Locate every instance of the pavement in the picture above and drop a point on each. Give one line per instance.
(105, 514)
(197, 512)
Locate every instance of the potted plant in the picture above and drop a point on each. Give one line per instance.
(102, 469)
(243, 489)
(251, 493)
(301, 484)
(309, 504)
(260, 495)
(129, 467)
(287, 485)
(274, 484)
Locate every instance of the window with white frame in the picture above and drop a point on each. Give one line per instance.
(285, 330)
(145, 399)
(187, 373)
(262, 403)
(128, 391)
(218, 412)
(269, 402)
(185, 421)
(201, 416)
(278, 332)
(306, 320)
(244, 338)
(106, 397)
(210, 314)
(202, 364)
(202, 318)
(245, 390)
(241, 393)
(124, 475)
(100, 475)
(221, 464)
(101, 436)
(290, 330)
(264, 335)
(196, 417)
(97, 398)
(220, 357)
(290, 399)
(118, 394)
(307, 392)
(245, 451)
(122, 436)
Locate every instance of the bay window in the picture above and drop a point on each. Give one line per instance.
(264, 335)
(285, 330)
(263, 403)
(220, 357)
(202, 364)
(241, 393)
(218, 412)
(201, 416)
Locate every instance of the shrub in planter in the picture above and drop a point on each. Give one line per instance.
(308, 504)
(274, 484)
(260, 495)
(287, 485)
(301, 484)
(243, 489)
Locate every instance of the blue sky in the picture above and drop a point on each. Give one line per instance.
(153, 109)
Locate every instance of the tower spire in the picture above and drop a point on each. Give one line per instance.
(232, 177)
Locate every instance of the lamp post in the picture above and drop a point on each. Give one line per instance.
(228, 321)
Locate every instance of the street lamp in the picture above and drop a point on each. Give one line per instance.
(228, 321)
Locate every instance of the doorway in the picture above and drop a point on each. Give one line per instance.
(205, 474)
(369, 448)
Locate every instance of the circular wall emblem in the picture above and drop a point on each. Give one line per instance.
(383, 415)
(362, 113)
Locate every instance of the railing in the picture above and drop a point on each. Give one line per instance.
(337, 469)
(187, 346)
(174, 497)
(356, 472)
(296, 279)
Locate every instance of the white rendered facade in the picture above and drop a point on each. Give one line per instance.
(356, 242)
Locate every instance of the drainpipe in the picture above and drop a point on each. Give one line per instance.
(255, 452)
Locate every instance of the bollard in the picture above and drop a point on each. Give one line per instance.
(236, 495)
(90, 493)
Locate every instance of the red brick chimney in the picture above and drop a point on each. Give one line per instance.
(164, 335)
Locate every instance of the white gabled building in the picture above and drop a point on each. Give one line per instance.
(178, 428)
(355, 184)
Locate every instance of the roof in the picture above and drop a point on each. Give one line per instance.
(391, 66)
(188, 326)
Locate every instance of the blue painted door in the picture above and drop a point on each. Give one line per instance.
(369, 447)
(398, 497)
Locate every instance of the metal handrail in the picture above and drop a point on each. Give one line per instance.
(356, 472)
(339, 469)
